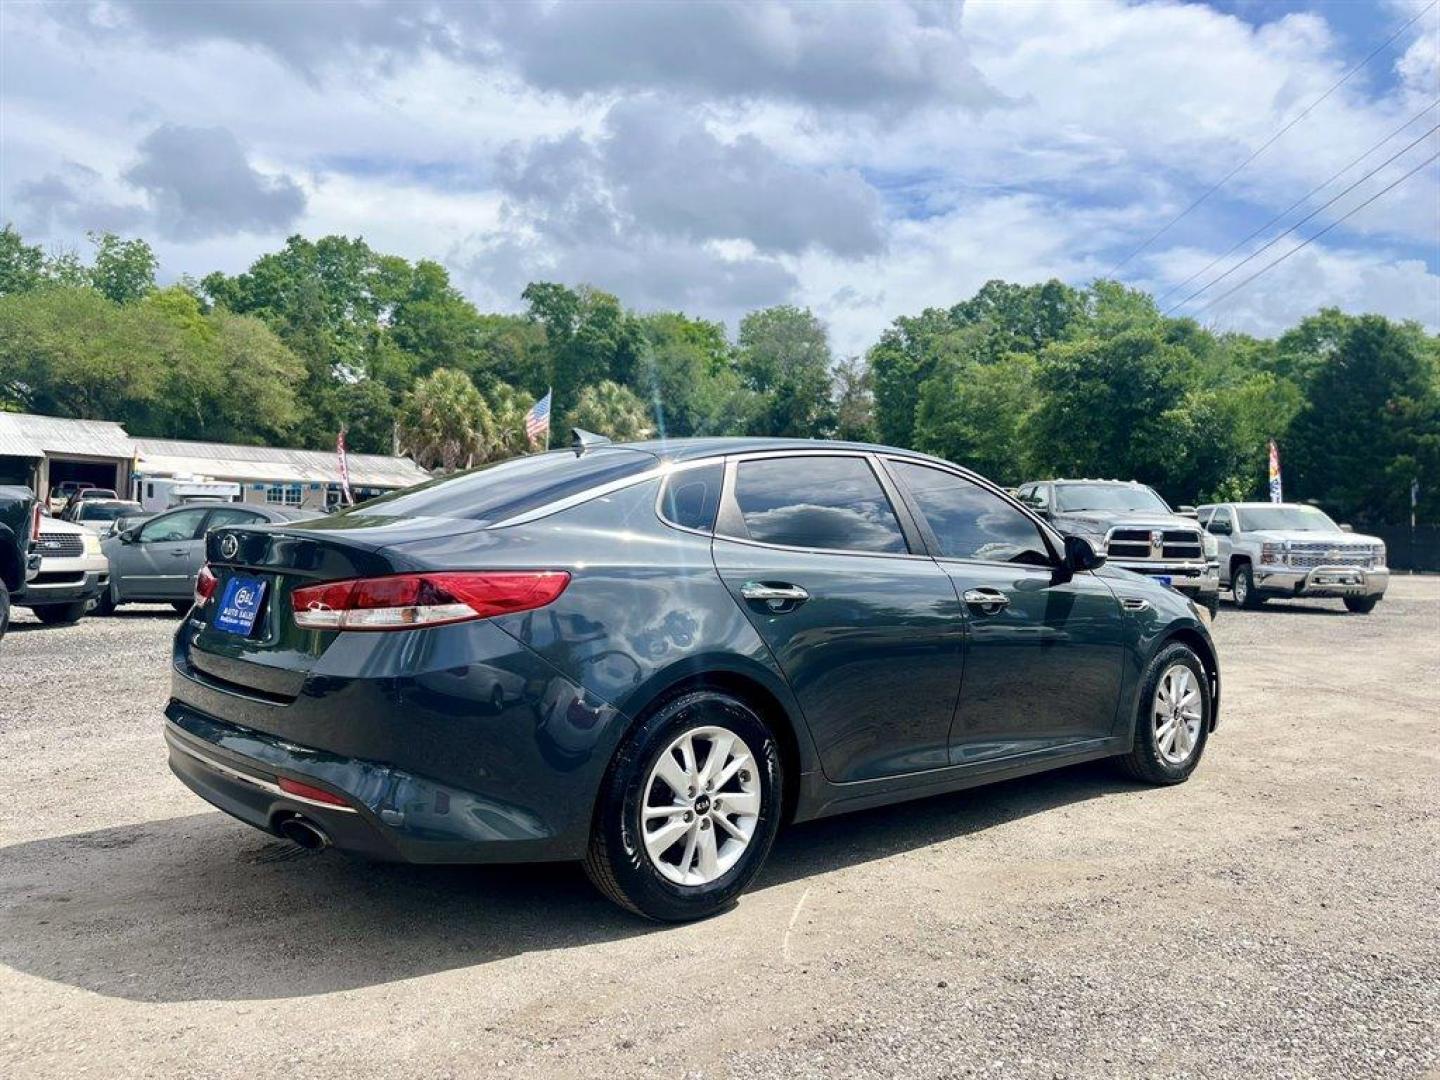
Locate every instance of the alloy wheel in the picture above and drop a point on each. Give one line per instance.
(1177, 714)
(701, 805)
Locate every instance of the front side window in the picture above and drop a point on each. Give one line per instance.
(832, 503)
(172, 527)
(970, 522)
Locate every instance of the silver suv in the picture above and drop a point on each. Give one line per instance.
(1289, 549)
(1135, 528)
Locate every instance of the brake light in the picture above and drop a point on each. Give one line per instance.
(309, 791)
(205, 583)
(403, 601)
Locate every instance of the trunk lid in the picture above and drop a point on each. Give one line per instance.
(274, 658)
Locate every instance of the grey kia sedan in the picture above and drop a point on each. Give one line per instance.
(157, 560)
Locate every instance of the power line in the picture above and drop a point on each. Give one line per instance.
(1298, 202)
(1271, 141)
(1323, 206)
(1306, 243)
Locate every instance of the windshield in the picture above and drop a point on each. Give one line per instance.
(1071, 497)
(496, 492)
(100, 512)
(1297, 518)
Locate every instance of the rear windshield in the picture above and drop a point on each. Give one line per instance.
(495, 493)
(104, 512)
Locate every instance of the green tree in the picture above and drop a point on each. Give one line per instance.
(1370, 423)
(123, 270)
(444, 421)
(784, 357)
(588, 337)
(975, 414)
(22, 266)
(854, 395)
(609, 409)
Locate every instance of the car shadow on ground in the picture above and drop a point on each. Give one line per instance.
(22, 622)
(1291, 607)
(201, 907)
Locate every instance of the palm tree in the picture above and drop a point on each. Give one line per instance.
(609, 409)
(444, 422)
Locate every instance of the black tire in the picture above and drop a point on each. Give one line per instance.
(1361, 605)
(617, 862)
(1144, 761)
(105, 603)
(4, 609)
(59, 614)
(1243, 585)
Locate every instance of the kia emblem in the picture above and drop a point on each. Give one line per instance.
(229, 546)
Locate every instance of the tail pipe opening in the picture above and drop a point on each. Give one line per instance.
(304, 832)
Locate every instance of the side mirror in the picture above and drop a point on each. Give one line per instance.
(1080, 555)
(1345, 526)
(1188, 511)
(129, 536)
(1220, 528)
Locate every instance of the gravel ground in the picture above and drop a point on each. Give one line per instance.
(1277, 916)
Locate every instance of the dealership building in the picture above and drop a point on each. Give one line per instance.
(42, 452)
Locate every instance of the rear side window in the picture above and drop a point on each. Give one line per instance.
(968, 521)
(494, 493)
(231, 516)
(690, 497)
(835, 503)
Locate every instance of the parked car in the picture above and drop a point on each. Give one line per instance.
(1136, 529)
(692, 641)
(98, 515)
(157, 561)
(1289, 549)
(63, 492)
(73, 572)
(19, 517)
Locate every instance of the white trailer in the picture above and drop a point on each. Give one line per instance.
(163, 492)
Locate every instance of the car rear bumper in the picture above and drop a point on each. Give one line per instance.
(450, 744)
(389, 814)
(1323, 581)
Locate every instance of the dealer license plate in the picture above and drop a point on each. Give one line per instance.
(240, 605)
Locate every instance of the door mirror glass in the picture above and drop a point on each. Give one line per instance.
(1220, 526)
(1080, 554)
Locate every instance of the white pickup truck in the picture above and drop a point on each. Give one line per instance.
(1273, 550)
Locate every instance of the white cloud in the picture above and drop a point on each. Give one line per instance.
(869, 160)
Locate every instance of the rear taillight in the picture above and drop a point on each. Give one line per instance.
(35, 523)
(205, 583)
(407, 600)
(309, 791)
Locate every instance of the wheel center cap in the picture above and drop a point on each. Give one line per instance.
(702, 804)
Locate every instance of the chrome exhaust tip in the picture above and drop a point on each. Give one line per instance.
(304, 832)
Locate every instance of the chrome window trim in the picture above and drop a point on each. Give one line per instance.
(264, 785)
(581, 497)
(727, 494)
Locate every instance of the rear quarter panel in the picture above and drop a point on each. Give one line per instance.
(645, 609)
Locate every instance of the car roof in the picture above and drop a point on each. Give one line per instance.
(694, 449)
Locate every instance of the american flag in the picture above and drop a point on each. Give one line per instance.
(344, 468)
(537, 420)
(1275, 491)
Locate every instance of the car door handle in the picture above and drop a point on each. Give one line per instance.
(989, 601)
(775, 595)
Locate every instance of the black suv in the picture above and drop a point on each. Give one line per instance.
(17, 526)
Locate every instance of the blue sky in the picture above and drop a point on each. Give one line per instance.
(866, 160)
